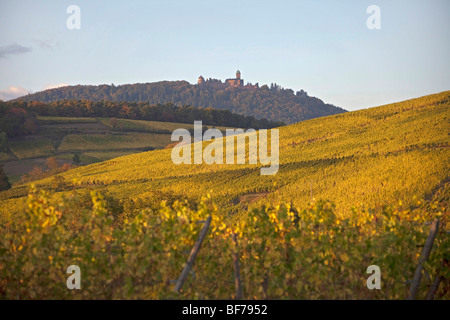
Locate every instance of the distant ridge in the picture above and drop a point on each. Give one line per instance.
(266, 102)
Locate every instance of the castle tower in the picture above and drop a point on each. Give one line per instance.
(201, 80)
(236, 82)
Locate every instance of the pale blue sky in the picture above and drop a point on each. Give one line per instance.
(323, 47)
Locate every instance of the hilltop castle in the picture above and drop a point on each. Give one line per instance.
(235, 82)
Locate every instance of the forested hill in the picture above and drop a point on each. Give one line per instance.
(272, 103)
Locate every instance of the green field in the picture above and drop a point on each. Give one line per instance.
(150, 126)
(63, 120)
(97, 142)
(32, 148)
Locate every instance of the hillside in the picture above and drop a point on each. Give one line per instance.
(32, 131)
(272, 103)
(389, 153)
(92, 139)
(125, 223)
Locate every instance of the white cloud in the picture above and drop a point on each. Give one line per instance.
(12, 93)
(54, 86)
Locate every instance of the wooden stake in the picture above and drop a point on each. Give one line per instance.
(237, 274)
(436, 282)
(192, 256)
(424, 257)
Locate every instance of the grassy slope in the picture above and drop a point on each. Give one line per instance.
(97, 142)
(32, 148)
(388, 153)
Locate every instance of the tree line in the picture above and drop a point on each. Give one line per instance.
(16, 121)
(266, 102)
(18, 118)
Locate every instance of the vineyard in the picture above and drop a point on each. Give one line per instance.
(103, 156)
(276, 252)
(353, 190)
(389, 153)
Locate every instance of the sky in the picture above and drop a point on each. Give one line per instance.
(322, 47)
